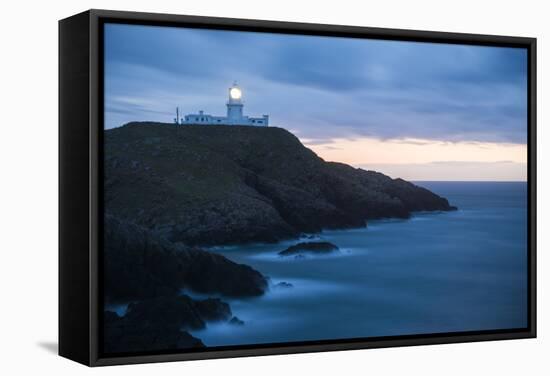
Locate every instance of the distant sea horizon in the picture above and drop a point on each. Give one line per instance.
(465, 181)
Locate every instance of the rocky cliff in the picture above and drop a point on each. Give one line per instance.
(211, 185)
(140, 265)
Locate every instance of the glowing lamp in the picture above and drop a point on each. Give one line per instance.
(235, 93)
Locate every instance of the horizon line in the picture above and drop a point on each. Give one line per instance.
(466, 181)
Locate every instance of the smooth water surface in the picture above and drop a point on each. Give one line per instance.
(434, 273)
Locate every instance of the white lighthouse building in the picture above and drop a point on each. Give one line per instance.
(234, 116)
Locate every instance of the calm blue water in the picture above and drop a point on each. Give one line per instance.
(437, 272)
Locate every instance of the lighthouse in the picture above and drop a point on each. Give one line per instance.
(235, 105)
(235, 113)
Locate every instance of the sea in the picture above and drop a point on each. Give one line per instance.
(437, 272)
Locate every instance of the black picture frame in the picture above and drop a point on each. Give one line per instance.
(80, 183)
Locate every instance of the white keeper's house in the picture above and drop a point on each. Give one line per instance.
(234, 114)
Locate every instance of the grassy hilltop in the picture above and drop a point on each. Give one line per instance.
(231, 184)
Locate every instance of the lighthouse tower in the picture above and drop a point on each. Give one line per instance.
(235, 105)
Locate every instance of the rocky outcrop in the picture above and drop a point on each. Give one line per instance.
(228, 185)
(236, 321)
(318, 248)
(160, 324)
(122, 336)
(139, 265)
(283, 285)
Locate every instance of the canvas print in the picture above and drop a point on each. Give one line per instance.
(264, 188)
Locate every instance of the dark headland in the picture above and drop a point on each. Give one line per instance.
(208, 185)
(171, 189)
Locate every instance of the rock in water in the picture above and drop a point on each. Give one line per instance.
(309, 247)
(284, 285)
(236, 321)
(228, 185)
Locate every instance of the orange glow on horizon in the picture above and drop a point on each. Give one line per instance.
(434, 160)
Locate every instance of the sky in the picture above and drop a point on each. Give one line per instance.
(419, 111)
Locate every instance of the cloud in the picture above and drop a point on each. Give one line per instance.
(322, 88)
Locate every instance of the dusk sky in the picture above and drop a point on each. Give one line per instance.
(419, 111)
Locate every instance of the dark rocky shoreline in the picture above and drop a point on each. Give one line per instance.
(169, 190)
(161, 323)
(140, 265)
